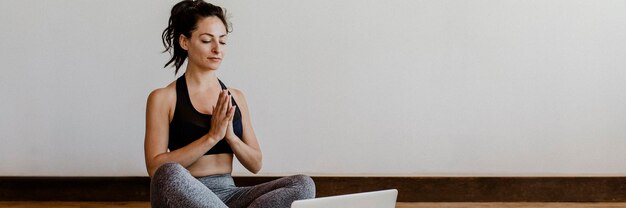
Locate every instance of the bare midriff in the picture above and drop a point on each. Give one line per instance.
(212, 165)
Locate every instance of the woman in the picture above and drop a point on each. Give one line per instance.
(196, 124)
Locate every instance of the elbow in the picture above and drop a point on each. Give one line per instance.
(151, 170)
(255, 169)
(153, 164)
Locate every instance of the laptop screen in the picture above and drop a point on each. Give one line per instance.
(375, 199)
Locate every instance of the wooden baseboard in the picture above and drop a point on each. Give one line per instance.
(411, 189)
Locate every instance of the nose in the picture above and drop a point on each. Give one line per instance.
(216, 48)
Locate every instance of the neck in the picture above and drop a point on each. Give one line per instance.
(201, 79)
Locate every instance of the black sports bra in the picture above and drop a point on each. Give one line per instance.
(189, 125)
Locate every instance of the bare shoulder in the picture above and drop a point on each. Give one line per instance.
(239, 97)
(163, 96)
(236, 92)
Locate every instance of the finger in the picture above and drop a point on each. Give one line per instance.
(229, 112)
(213, 108)
(230, 109)
(217, 104)
(230, 100)
(220, 103)
(226, 104)
(231, 116)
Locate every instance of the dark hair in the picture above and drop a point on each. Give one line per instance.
(183, 20)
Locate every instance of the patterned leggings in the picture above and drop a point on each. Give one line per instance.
(173, 186)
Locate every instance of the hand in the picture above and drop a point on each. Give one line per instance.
(223, 113)
(230, 134)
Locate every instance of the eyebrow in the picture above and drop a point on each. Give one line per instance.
(224, 35)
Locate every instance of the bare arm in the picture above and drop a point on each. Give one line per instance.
(157, 132)
(246, 149)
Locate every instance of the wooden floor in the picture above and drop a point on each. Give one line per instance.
(399, 205)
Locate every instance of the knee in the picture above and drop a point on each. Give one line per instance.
(166, 182)
(168, 171)
(305, 185)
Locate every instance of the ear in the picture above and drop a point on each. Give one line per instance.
(183, 41)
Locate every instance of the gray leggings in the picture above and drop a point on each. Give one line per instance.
(173, 186)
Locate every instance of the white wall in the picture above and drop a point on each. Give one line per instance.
(396, 87)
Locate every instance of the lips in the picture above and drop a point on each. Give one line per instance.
(215, 58)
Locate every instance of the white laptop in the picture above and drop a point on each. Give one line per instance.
(375, 199)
